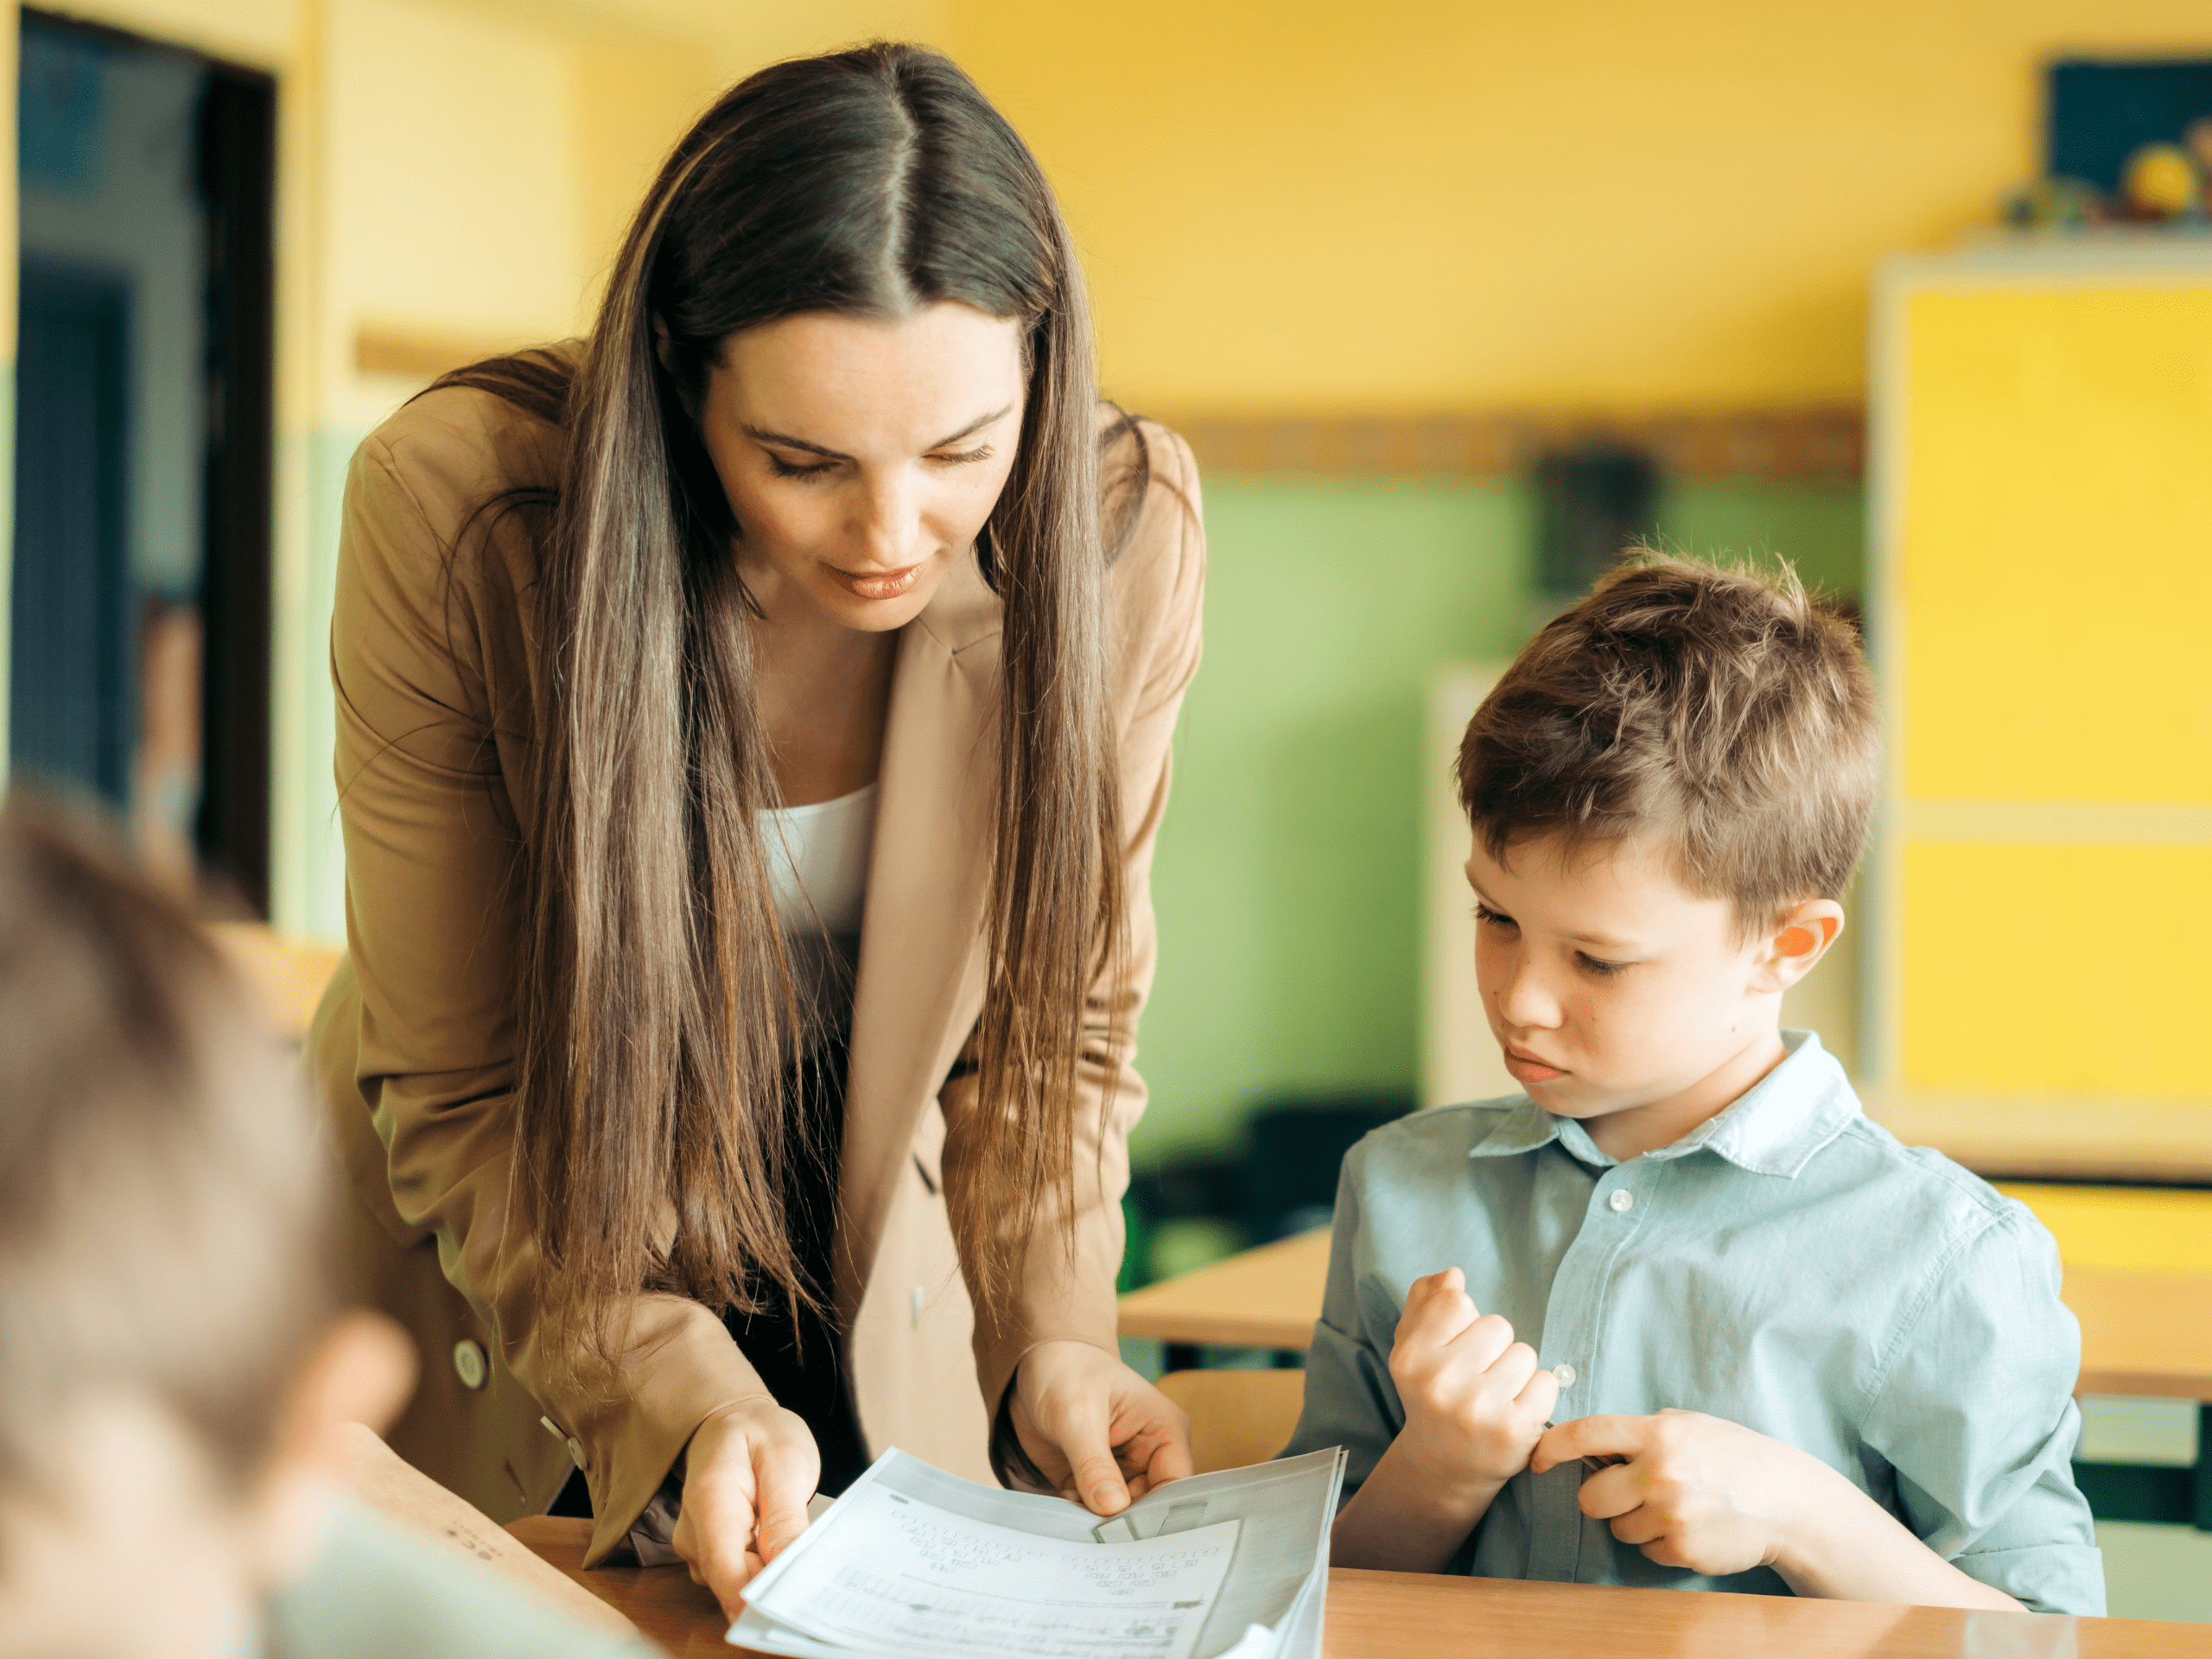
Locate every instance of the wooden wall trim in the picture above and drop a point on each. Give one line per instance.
(1805, 445)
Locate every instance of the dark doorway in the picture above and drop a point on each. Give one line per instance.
(72, 671)
(141, 597)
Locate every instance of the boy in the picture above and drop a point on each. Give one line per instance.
(176, 1370)
(1783, 1352)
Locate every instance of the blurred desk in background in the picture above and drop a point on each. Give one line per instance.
(1268, 1297)
(289, 975)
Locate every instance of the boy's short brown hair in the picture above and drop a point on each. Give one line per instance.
(1724, 716)
(164, 1210)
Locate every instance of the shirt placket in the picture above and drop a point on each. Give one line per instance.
(1566, 1545)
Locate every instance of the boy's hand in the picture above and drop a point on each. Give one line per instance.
(1475, 1402)
(1696, 1491)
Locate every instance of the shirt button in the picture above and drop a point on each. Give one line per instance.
(1564, 1374)
(469, 1364)
(1621, 1200)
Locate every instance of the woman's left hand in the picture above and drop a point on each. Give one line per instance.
(1097, 1430)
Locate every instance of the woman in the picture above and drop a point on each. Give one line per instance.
(752, 728)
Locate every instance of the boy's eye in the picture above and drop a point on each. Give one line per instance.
(783, 469)
(1494, 918)
(1593, 965)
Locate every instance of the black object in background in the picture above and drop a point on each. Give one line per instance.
(1594, 502)
(1298, 1148)
(238, 180)
(72, 680)
(2099, 110)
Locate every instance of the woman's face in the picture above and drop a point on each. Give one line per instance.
(862, 455)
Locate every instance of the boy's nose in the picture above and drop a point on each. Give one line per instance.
(1523, 999)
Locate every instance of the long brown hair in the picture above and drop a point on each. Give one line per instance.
(657, 1011)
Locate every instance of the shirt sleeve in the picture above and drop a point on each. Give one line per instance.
(1350, 1399)
(1975, 1417)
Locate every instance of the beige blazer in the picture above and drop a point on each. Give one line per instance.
(431, 655)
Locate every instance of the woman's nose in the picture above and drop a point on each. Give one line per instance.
(891, 519)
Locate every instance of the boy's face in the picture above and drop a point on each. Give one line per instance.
(134, 1544)
(1620, 998)
(130, 1548)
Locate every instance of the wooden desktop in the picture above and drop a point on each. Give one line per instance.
(1388, 1615)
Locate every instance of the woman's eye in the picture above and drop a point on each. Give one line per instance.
(1494, 918)
(783, 469)
(1593, 965)
(965, 457)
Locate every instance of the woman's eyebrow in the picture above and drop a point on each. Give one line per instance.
(785, 441)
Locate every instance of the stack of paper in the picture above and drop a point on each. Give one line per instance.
(913, 1559)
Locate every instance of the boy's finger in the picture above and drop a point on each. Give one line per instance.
(1483, 1340)
(1614, 1436)
(1511, 1370)
(1612, 1492)
(1638, 1527)
(1436, 1315)
(1538, 1395)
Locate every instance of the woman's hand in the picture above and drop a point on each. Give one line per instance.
(1097, 1430)
(751, 1469)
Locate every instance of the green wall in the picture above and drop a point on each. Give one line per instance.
(1288, 878)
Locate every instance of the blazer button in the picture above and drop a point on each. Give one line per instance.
(469, 1364)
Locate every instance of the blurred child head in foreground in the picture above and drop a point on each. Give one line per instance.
(1669, 790)
(172, 1346)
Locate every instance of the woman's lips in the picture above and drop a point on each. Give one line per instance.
(1527, 1068)
(878, 584)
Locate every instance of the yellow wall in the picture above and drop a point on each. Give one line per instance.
(1292, 204)
(1283, 207)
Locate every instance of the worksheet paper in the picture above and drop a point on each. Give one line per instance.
(1226, 1566)
(921, 1580)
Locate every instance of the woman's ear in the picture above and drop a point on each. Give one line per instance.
(664, 354)
(1800, 937)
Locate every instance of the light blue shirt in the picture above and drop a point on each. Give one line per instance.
(1788, 1265)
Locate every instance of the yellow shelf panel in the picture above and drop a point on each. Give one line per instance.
(2056, 970)
(2124, 1229)
(2057, 512)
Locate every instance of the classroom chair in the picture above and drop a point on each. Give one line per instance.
(1236, 1417)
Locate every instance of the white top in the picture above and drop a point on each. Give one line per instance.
(817, 861)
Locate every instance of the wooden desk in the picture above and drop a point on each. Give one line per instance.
(2141, 1333)
(1391, 1615)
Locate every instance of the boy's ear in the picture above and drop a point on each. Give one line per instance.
(1800, 937)
(363, 1372)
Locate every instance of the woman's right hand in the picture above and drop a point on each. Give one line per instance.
(750, 1471)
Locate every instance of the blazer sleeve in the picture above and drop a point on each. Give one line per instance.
(430, 673)
(1158, 587)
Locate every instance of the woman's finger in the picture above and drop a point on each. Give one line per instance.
(785, 1473)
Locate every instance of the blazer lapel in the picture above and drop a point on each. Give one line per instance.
(920, 981)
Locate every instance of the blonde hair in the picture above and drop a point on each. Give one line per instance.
(164, 1213)
(1724, 716)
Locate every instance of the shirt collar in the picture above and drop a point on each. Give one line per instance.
(1773, 1128)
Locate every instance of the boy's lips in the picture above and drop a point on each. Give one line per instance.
(1527, 1068)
